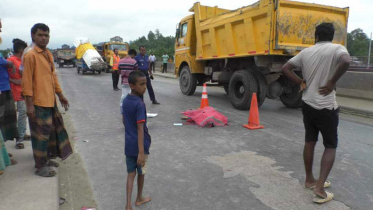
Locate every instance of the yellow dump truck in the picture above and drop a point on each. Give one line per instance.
(244, 49)
(106, 49)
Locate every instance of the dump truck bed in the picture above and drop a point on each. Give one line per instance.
(268, 27)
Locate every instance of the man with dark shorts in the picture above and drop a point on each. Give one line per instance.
(322, 66)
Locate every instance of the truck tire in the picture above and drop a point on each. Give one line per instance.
(242, 85)
(99, 72)
(60, 65)
(187, 81)
(292, 99)
(262, 86)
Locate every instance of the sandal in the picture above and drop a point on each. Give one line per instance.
(320, 200)
(52, 163)
(13, 162)
(20, 145)
(326, 185)
(46, 172)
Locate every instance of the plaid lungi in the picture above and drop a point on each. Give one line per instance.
(49, 136)
(8, 116)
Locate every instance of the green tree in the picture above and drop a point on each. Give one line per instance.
(156, 43)
(358, 43)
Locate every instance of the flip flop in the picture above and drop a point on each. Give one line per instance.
(320, 200)
(20, 146)
(326, 185)
(53, 163)
(46, 172)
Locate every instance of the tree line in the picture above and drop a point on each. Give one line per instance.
(155, 43)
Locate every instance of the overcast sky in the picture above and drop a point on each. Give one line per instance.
(99, 21)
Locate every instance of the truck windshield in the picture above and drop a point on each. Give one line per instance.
(118, 46)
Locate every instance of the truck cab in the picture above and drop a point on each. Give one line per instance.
(106, 50)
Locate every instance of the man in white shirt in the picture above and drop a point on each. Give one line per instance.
(322, 65)
(152, 62)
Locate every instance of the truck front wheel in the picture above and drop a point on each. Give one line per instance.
(242, 85)
(187, 81)
(291, 97)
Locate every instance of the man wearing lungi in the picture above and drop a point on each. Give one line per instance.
(40, 87)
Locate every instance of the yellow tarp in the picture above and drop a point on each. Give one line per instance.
(82, 48)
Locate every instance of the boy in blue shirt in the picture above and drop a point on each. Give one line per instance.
(137, 138)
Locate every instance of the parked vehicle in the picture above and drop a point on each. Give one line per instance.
(65, 57)
(244, 50)
(106, 49)
(88, 59)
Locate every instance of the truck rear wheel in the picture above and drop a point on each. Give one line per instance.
(292, 98)
(262, 86)
(187, 81)
(242, 85)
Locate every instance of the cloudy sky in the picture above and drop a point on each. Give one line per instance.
(100, 21)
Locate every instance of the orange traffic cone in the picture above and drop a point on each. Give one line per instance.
(204, 100)
(254, 115)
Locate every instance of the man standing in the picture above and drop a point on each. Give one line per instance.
(15, 84)
(114, 62)
(152, 62)
(322, 65)
(164, 61)
(40, 86)
(8, 115)
(143, 63)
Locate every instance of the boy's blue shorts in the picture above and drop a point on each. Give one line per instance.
(131, 162)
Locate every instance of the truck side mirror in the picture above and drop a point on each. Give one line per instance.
(177, 33)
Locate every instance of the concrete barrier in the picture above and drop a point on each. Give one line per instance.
(356, 85)
(357, 80)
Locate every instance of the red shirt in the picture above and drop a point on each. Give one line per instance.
(16, 89)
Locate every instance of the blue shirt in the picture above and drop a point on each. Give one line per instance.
(134, 112)
(4, 76)
(143, 62)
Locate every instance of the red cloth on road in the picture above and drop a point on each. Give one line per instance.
(206, 117)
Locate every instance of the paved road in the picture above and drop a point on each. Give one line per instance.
(216, 168)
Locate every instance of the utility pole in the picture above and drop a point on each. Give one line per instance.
(370, 48)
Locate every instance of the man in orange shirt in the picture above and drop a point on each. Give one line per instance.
(114, 63)
(40, 87)
(15, 80)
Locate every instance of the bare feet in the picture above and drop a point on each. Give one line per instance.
(142, 200)
(13, 162)
(10, 154)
